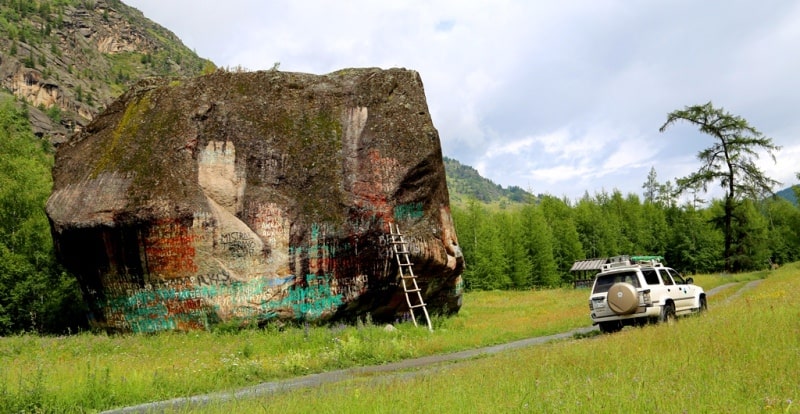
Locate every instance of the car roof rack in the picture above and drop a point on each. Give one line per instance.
(618, 262)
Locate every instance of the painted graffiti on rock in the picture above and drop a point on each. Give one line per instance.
(316, 277)
(408, 211)
(269, 222)
(238, 244)
(312, 300)
(320, 253)
(169, 249)
(153, 309)
(350, 287)
(387, 250)
(211, 279)
(377, 179)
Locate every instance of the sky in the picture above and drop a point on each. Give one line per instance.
(557, 97)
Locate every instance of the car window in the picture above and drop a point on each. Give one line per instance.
(604, 282)
(650, 276)
(676, 276)
(665, 277)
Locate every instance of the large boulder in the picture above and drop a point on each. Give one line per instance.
(254, 197)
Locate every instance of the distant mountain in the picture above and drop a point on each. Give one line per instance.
(789, 194)
(465, 183)
(68, 59)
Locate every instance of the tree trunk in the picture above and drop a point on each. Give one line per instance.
(728, 231)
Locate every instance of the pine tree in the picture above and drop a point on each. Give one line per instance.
(515, 250)
(566, 241)
(540, 247)
(651, 186)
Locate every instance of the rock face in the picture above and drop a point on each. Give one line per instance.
(255, 197)
(69, 59)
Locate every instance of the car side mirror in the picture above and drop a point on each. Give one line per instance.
(690, 281)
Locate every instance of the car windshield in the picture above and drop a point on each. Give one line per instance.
(605, 281)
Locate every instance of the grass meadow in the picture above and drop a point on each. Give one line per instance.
(742, 356)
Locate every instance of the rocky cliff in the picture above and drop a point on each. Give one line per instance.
(68, 59)
(255, 197)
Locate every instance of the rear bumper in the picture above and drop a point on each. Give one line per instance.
(652, 311)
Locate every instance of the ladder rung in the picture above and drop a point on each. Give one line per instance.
(421, 305)
(413, 290)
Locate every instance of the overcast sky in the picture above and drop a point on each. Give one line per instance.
(559, 97)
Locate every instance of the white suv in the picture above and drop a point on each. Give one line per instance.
(625, 294)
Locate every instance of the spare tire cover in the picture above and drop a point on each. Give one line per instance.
(622, 298)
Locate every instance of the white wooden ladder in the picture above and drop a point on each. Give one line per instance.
(409, 281)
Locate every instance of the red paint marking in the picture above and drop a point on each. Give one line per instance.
(170, 249)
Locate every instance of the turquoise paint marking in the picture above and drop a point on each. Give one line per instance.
(146, 310)
(308, 303)
(152, 325)
(315, 228)
(408, 211)
(316, 299)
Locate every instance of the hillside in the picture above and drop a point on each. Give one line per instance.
(68, 59)
(789, 194)
(465, 183)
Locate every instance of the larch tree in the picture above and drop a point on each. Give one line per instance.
(730, 160)
(651, 186)
(566, 241)
(539, 244)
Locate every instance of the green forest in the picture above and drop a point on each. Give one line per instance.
(533, 245)
(510, 240)
(36, 294)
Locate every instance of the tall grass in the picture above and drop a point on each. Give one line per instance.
(97, 371)
(89, 372)
(742, 356)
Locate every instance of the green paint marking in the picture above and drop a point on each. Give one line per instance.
(408, 211)
(146, 310)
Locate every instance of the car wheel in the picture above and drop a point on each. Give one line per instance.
(667, 313)
(622, 298)
(610, 327)
(703, 305)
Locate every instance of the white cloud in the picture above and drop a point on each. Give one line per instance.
(558, 174)
(786, 165)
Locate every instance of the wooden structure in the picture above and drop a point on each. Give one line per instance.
(407, 278)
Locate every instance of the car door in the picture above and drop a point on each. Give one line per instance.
(682, 293)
